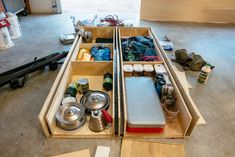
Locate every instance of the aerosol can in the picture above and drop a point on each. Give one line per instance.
(204, 74)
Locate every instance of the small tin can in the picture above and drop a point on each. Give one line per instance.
(83, 85)
(72, 89)
(138, 70)
(128, 70)
(108, 81)
(148, 70)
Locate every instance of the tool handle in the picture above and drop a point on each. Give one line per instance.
(107, 116)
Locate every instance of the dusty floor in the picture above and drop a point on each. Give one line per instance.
(21, 134)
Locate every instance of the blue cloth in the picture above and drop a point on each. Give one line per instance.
(100, 53)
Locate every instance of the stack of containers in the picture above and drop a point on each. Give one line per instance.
(14, 29)
(5, 39)
(9, 29)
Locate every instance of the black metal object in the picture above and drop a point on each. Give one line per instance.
(18, 76)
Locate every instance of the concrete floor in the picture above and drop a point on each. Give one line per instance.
(21, 133)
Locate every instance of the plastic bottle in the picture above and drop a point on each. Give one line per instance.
(204, 74)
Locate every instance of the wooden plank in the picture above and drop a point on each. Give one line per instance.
(58, 84)
(188, 10)
(185, 84)
(54, 87)
(82, 153)
(131, 148)
(101, 32)
(27, 6)
(194, 112)
(2, 9)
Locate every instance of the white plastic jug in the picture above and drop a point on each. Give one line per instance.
(5, 39)
(204, 74)
(14, 29)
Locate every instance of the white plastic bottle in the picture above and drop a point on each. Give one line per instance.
(204, 74)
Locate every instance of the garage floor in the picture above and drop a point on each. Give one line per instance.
(21, 133)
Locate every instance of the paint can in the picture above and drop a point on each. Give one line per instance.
(83, 85)
(108, 81)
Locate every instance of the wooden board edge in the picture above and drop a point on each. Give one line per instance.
(46, 105)
(188, 102)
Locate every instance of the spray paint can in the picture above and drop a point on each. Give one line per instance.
(204, 74)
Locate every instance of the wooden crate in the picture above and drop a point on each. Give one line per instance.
(73, 70)
(186, 118)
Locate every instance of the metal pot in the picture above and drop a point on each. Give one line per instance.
(95, 100)
(70, 116)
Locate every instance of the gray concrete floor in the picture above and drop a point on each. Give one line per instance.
(21, 134)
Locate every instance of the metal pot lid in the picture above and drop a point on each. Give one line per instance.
(70, 112)
(96, 101)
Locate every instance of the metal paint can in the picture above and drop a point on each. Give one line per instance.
(83, 85)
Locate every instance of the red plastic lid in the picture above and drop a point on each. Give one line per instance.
(4, 23)
(144, 130)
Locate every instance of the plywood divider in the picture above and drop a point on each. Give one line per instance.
(101, 32)
(47, 103)
(91, 68)
(195, 115)
(118, 94)
(133, 31)
(184, 117)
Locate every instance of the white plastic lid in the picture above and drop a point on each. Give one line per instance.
(128, 68)
(159, 68)
(148, 68)
(138, 67)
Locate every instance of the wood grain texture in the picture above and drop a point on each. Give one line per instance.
(82, 153)
(46, 105)
(188, 100)
(149, 149)
(188, 10)
(2, 9)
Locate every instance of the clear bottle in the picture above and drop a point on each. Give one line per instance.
(204, 74)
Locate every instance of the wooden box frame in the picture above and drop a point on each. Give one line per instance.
(187, 118)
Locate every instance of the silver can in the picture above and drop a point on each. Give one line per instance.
(83, 85)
